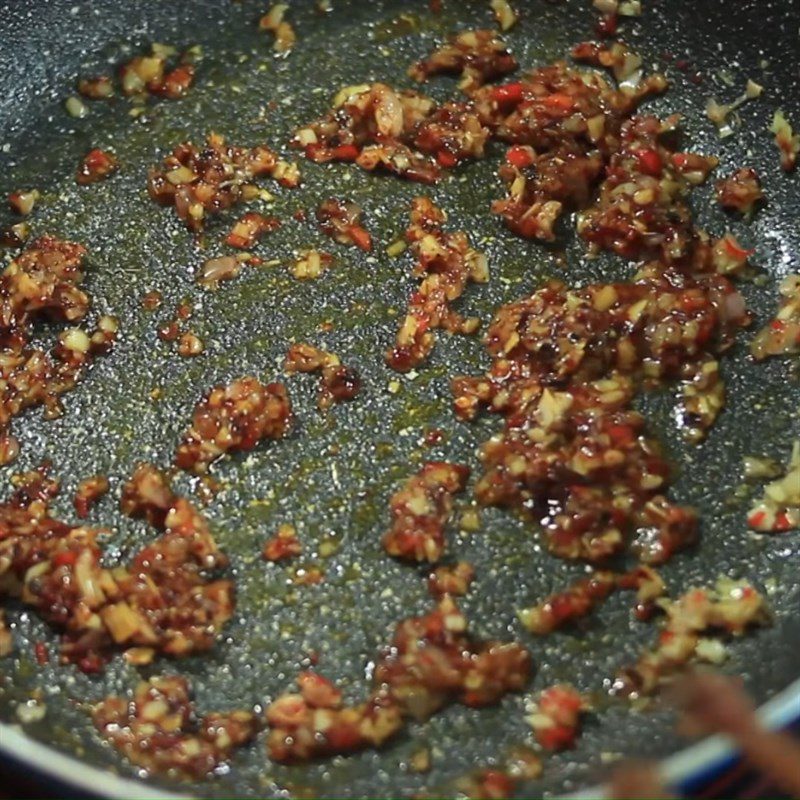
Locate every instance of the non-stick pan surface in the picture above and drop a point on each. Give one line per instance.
(332, 477)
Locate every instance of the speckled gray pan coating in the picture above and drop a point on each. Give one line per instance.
(333, 475)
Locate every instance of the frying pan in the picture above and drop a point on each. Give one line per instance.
(333, 475)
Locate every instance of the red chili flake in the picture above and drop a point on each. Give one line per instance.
(361, 237)
(558, 100)
(344, 152)
(649, 162)
(41, 654)
(680, 160)
(174, 84)
(67, 558)
(520, 156)
(734, 250)
(91, 664)
(446, 159)
(782, 523)
(507, 94)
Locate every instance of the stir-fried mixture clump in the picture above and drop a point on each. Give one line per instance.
(250, 228)
(572, 449)
(164, 600)
(431, 661)
(89, 491)
(452, 579)
(274, 21)
(375, 126)
(564, 126)
(572, 603)
(96, 165)
(398, 131)
(155, 74)
(159, 73)
(421, 510)
(315, 723)
(43, 283)
(741, 191)
(555, 716)
(445, 263)
(477, 56)
(584, 595)
(778, 510)
(160, 730)
(694, 629)
(786, 140)
(232, 417)
(781, 337)
(202, 182)
(337, 382)
(283, 546)
(341, 220)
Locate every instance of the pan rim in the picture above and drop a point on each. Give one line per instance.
(685, 767)
(704, 759)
